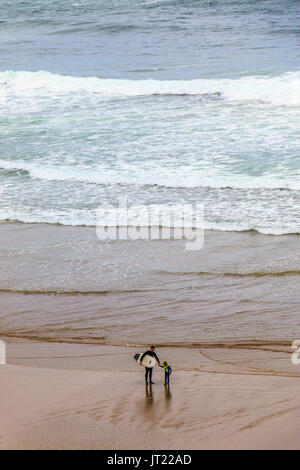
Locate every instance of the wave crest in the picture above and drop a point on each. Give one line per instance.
(97, 175)
(282, 89)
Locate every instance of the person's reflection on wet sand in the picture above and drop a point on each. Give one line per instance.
(149, 396)
(168, 395)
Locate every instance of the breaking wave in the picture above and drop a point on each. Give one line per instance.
(279, 90)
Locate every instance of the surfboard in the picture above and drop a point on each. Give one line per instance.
(148, 361)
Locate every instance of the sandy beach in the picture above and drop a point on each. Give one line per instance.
(149, 194)
(75, 310)
(64, 396)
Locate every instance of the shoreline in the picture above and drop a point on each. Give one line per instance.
(251, 344)
(250, 231)
(78, 397)
(210, 359)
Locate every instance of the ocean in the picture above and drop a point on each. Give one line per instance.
(163, 102)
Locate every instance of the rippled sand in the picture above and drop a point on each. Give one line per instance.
(94, 397)
(224, 317)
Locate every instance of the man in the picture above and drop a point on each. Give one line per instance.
(149, 370)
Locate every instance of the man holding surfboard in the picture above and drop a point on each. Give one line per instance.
(149, 370)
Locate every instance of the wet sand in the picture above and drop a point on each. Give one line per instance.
(224, 317)
(64, 396)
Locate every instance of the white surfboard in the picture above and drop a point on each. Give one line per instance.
(2, 353)
(148, 361)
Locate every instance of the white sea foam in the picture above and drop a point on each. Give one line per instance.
(246, 219)
(282, 89)
(187, 177)
(62, 157)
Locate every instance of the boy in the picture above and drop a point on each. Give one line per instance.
(168, 371)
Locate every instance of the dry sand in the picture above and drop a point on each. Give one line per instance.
(64, 396)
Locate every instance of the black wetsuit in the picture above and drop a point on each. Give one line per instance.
(149, 370)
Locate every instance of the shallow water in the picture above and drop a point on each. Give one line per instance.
(63, 284)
